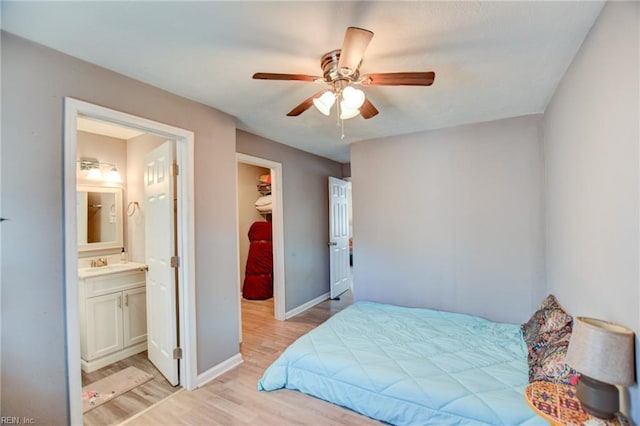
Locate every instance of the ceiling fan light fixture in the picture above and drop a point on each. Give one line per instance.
(341, 75)
(346, 112)
(352, 98)
(324, 102)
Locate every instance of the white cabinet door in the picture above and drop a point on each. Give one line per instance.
(104, 325)
(134, 316)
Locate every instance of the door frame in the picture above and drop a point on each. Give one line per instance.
(277, 224)
(185, 239)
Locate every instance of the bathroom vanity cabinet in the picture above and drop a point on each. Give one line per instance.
(113, 317)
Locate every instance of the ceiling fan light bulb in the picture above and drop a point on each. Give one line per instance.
(346, 112)
(325, 102)
(321, 107)
(352, 98)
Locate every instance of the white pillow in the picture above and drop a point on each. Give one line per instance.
(263, 201)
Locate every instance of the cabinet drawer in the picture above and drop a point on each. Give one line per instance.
(97, 286)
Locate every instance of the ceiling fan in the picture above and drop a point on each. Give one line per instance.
(341, 72)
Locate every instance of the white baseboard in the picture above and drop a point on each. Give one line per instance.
(310, 304)
(91, 366)
(218, 370)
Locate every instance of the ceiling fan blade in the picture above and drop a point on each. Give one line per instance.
(304, 105)
(367, 110)
(274, 76)
(355, 43)
(399, 79)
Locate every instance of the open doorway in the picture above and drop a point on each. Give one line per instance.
(267, 192)
(110, 278)
(255, 207)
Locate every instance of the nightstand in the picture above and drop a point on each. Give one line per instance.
(557, 403)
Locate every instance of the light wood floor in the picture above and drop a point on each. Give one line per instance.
(233, 398)
(129, 403)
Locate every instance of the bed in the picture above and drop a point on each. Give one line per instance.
(410, 366)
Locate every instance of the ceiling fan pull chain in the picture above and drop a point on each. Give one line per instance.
(339, 120)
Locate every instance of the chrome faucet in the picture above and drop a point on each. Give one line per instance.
(101, 261)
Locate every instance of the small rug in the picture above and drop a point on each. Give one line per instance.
(106, 389)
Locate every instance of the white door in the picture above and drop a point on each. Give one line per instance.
(159, 248)
(339, 236)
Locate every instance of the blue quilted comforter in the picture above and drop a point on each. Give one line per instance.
(409, 366)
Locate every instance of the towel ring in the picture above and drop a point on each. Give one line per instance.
(132, 207)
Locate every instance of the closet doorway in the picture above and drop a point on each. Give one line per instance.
(252, 169)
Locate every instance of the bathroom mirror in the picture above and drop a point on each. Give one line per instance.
(99, 218)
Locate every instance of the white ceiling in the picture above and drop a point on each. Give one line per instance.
(492, 59)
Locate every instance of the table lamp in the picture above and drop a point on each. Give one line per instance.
(602, 352)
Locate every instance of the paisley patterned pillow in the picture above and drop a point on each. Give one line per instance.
(547, 362)
(547, 335)
(549, 318)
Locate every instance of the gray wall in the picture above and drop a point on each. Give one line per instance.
(451, 219)
(592, 180)
(34, 81)
(306, 215)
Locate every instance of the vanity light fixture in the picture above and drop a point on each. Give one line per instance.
(93, 168)
(113, 175)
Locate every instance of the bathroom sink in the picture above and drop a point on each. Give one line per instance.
(110, 269)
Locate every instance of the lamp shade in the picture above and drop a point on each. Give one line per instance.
(325, 102)
(347, 113)
(602, 350)
(352, 98)
(114, 176)
(94, 174)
